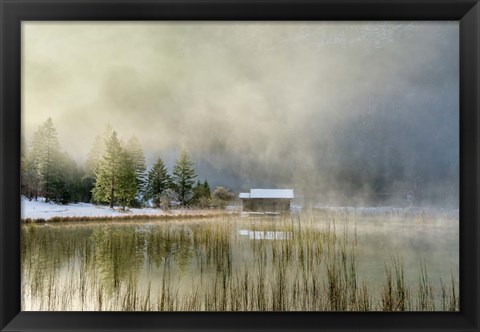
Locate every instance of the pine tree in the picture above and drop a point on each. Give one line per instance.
(197, 193)
(107, 171)
(41, 172)
(158, 181)
(31, 179)
(95, 154)
(34, 160)
(135, 151)
(50, 156)
(201, 194)
(127, 180)
(206, 190)
(97, 149)
(184, 178)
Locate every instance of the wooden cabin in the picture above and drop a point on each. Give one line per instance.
(267, 200)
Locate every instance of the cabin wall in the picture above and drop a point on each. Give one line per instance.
(266, 205)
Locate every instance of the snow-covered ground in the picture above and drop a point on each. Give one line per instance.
(41, 210)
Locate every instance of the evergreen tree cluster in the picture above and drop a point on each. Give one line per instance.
(118, 172)
(163, 188)
(49, 172)
(114, 173)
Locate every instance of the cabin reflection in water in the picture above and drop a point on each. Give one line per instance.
(265, 235)
(267, 200)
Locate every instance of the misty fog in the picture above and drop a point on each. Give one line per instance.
(357, 113)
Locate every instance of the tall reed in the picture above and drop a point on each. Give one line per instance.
(292, 263)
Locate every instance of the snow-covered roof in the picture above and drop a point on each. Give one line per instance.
(268, 193)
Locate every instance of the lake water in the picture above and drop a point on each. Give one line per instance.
(307, 262)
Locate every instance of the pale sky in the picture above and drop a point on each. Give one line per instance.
(257, 103)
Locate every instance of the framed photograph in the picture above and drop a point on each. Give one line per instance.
(202, 165)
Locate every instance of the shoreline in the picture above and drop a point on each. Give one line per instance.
(42, 212)
(55, 219)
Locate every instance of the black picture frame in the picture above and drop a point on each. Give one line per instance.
(13, 12)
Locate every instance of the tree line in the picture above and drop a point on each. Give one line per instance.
(115, 173)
